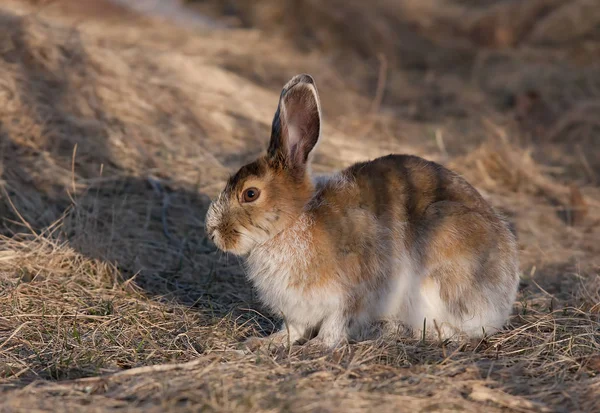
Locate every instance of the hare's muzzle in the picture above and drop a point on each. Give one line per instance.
(212, 221)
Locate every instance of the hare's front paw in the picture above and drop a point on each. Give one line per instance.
(332, 333)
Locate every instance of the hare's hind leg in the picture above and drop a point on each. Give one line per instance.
(472, 273)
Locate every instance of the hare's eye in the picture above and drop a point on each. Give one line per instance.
(250, 194)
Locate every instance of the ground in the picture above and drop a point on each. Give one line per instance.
(117, 127)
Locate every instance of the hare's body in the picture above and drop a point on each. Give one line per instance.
(398, 238)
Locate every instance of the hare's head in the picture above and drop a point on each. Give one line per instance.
(264, 197)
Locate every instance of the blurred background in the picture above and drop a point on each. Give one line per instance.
(120, 119)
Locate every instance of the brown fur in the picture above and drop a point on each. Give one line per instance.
(445, 219)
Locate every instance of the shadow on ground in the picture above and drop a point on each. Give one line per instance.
(57, 158)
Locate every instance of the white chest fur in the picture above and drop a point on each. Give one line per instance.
(278, 269)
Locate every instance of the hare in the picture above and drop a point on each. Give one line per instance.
(397, 239)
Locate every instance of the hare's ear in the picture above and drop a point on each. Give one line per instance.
(297, 123)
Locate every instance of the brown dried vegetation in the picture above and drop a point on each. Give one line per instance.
(116, 128)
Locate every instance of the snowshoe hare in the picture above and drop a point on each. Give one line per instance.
(398, 239)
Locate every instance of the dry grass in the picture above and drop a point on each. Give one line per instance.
(115, 130)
